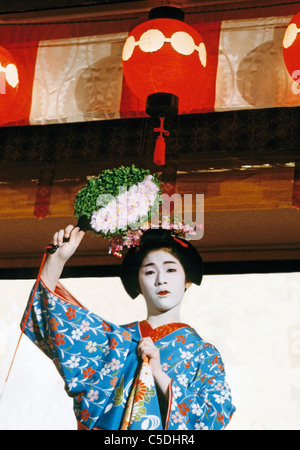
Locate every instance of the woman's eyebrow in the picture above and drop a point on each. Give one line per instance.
(165, 262)
(149, 264)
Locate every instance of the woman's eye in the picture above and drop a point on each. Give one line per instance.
(171, 270)
(149, 272)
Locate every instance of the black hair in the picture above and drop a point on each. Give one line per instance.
(155, 239)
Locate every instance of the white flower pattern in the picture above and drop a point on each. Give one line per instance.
(127, 209)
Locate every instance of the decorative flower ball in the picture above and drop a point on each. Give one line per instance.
(117, 200)
(118, 205)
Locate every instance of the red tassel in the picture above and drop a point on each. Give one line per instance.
(159, 152)
(160, 146)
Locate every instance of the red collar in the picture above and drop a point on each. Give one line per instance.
(161, 331)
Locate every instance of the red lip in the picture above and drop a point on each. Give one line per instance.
(163, 292)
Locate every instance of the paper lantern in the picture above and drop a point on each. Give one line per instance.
(164, 55)
(163, 60)
(8, 73)
(291, 48)
(9, 82)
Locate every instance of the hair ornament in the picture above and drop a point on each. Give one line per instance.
(184, 244)
(119, 205)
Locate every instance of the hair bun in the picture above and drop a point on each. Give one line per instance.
(156, 236)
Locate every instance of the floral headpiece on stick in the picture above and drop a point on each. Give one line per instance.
(119, 204)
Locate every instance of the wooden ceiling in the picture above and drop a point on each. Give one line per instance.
(242, 161)
(29, 6)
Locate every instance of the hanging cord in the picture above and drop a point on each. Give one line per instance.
(160, 146)
(29, 308)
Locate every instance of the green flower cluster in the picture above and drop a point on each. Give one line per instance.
(108, 182)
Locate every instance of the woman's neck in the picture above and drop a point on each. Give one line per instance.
(163, 318)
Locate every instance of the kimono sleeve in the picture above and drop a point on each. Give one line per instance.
(81, 345)
(203, 403)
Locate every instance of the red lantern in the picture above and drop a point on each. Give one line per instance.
(9, 81)
(164, 61)
(291, 48)
(164, 55)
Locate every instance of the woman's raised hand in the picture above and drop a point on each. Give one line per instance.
(67, 240)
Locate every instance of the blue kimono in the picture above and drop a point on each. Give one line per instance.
(111, 387)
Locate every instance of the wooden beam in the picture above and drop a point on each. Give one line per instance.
(248, 189)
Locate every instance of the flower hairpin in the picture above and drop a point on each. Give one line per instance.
(132, 237)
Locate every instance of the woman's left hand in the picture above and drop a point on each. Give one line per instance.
(147, 348)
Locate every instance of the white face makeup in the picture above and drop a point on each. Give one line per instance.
(162, 281)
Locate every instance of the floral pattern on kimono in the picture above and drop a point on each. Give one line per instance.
(112, 389)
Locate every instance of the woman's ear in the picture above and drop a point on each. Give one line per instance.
(188, 284)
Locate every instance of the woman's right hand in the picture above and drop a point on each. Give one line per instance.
(67, 240)
(54, 264)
